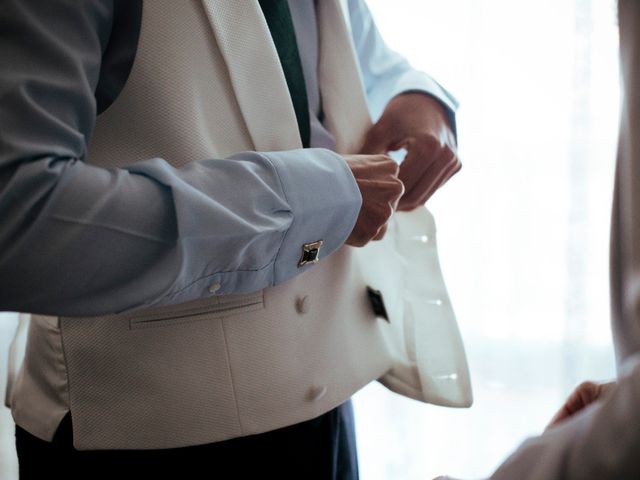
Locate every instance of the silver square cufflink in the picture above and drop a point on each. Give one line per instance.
(310, 253)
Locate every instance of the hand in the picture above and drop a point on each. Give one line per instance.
(417, 123)
(377, 178)
(585, 394)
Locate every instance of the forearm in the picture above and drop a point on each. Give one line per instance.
(385, 72)
(77, 239)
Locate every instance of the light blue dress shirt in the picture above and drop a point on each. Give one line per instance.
(76, 239)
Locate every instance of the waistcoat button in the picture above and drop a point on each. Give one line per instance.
(214, 287)
(302, 305)
(317, 392)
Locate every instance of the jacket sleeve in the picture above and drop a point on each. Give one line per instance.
(76, 239)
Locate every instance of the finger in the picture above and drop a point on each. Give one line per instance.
(605, 388)
(394, 206)
(436, 176)
(383, 229)
(395, 203)
(422, 155)
(384, 191)
(572, 405)
(388, 165)
(427, 186)
(441, 181)
(381, 232)
(561, 415)
(376, 219)
(585, 394)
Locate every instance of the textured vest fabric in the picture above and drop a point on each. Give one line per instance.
(206, 83)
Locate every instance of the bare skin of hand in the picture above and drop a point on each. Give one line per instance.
(377, 179)
(585, 394)
(418, 123)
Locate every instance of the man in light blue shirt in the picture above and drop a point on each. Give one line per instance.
(82, 240)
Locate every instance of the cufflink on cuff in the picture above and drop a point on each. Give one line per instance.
(310, 253)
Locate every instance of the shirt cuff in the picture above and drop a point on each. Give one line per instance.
(325, 201)
(416, 81)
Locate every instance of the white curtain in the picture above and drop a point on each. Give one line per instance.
(523, 228)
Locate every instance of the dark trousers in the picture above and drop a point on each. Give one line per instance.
(322, 448)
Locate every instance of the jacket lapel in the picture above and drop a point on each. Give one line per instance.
(256, 74)
(343, 98)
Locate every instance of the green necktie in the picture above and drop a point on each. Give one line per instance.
(278, 17)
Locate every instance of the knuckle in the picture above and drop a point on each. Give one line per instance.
(450, 152)
(382, 215)
(389, 164)
(388, 212)
(361, 240)
(413, 200)
(446, 159)
(430, 141)
(393, 188)
(586, 385)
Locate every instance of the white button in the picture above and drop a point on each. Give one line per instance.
(302, 305)
(421, 238)
(451, 376)
(436, 301)
(214, 287)
(317, 392)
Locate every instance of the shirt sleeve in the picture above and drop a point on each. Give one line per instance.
(76, 239)
(385, 72)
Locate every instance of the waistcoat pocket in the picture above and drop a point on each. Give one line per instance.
(199, 310)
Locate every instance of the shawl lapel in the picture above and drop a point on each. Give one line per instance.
(256, 74)
(260, 86)
(343, 97)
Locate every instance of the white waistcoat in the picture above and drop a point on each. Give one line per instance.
(206, 83)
